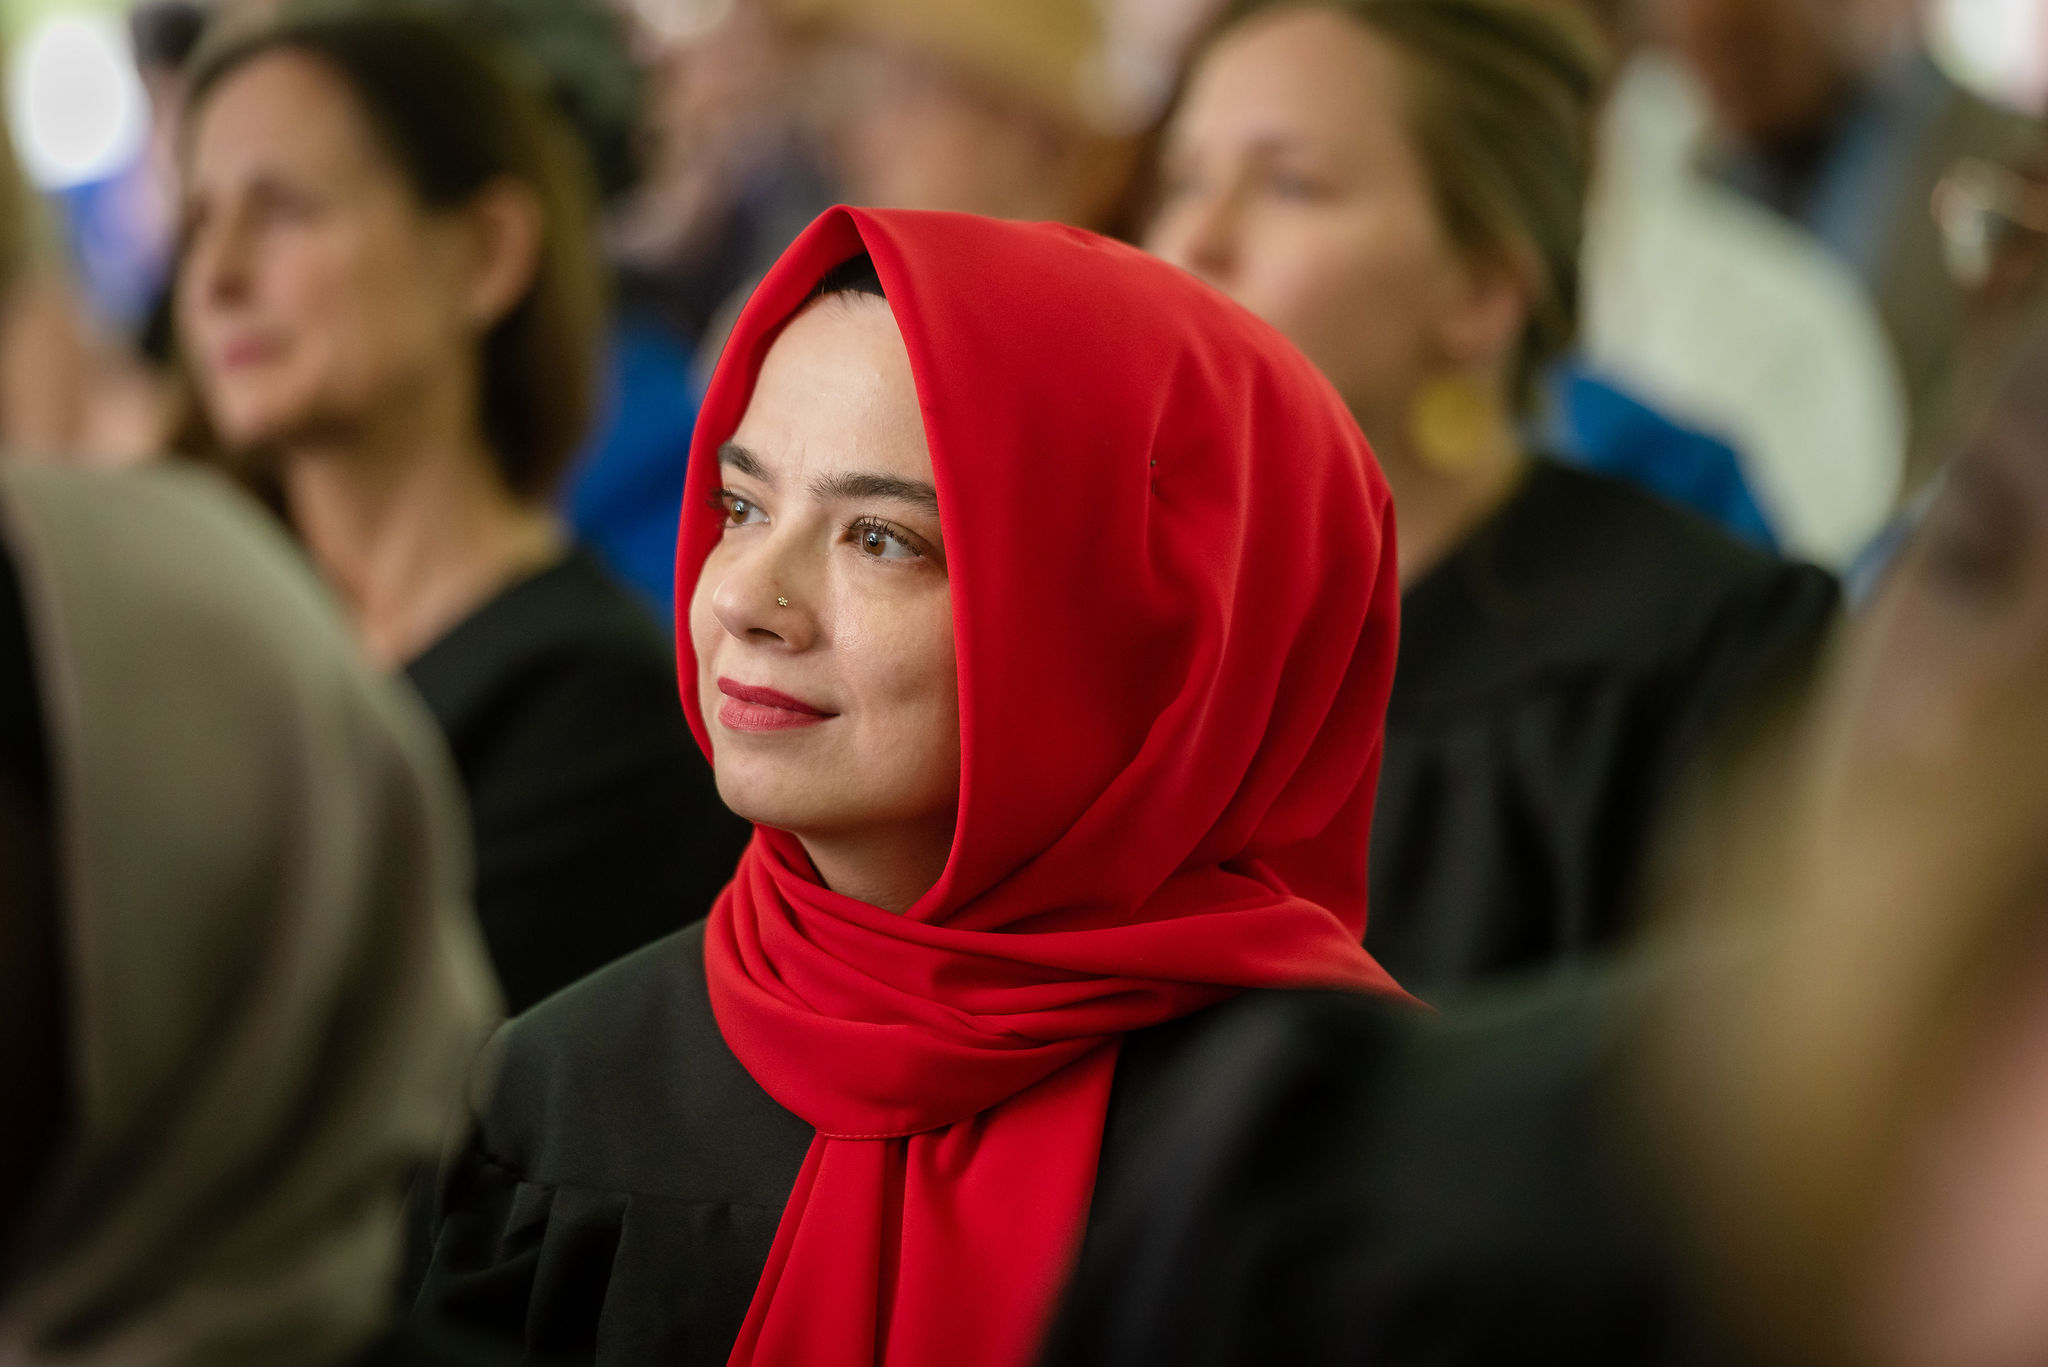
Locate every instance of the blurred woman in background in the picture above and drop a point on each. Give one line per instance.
(239, 981)
(1399, 185)
(390, 301)
(975, 106)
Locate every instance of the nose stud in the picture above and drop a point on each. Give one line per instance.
(782, 602)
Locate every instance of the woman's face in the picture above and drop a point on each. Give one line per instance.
(1959, 635)
(1290, 181)
(823, 621)
(1940, 796)
(314, 292)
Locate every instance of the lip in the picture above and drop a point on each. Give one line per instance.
(244, 352)
(749, 707)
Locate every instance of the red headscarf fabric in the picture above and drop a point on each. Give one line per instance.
(1171, 564)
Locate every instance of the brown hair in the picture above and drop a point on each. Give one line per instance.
(454, 114)
(1501, 97)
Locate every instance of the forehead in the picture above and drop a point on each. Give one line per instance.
(1306, 72)
(280, 109)
(836, 391)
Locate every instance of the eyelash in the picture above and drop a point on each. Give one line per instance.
(861, 527)
(725, 503)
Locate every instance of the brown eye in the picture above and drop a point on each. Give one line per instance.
(734, 511)
(880, 541)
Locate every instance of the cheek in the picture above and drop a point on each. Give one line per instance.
(1359, 294)
(899, 665)
(706, 633)
(363, 308)
(901, 651)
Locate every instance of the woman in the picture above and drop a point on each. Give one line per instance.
(239, 981)
(1398, 186)
(1823, 1140)
(1057, 708)
(389, 299)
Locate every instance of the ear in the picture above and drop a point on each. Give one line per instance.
(506, 229)
(1492, 307)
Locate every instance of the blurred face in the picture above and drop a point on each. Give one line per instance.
(1961, 631)
(822, 622)
(314, 290)
(1773, 69)
(907, 133)
(1291, 182)
(1942, 789)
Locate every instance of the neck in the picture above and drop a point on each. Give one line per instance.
(413, 527)
(1438, 504)
(891, 871)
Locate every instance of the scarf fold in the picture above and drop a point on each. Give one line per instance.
(1171, 565)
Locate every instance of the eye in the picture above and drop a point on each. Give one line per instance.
(273, 202)
(880, 540)
(735, 511)
(1294, 185)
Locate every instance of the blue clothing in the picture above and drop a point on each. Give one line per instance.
(1601, 428)
(624, 493)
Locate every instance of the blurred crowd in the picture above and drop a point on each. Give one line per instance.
(1702, 346)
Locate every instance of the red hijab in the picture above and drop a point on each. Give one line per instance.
(1171, 561)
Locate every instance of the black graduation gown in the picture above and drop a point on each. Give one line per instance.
(597, 823)
(618, 1199)
(1557, 673)
(1336, 1185)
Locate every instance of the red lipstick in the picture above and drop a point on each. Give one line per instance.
(751, 708)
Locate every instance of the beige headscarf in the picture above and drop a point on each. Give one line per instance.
(275, 984)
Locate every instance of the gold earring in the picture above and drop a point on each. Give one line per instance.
(1452, 422)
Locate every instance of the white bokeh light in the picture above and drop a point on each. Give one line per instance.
(77, 108)
(1999, 48)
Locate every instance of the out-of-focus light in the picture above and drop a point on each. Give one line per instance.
(77, 108)
(680, 21)
(1998, 48)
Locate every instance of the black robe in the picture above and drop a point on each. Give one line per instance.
(1338, 1185)
(1558, 673)
(618, 1199)
(597, 823)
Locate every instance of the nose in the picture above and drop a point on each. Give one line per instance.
(767, 594)
(1199, 234)
(216, 269)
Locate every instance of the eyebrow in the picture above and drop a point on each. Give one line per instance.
(830, 488)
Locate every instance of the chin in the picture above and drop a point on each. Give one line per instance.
(244, 424)
(785, 802)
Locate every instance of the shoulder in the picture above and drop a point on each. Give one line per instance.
(1606, 521)
(567, 641)
(1232, 1059)
(1582, 576)
(1355, 1182)
(623, 1082)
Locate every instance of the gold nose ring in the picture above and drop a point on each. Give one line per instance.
(782, 602)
